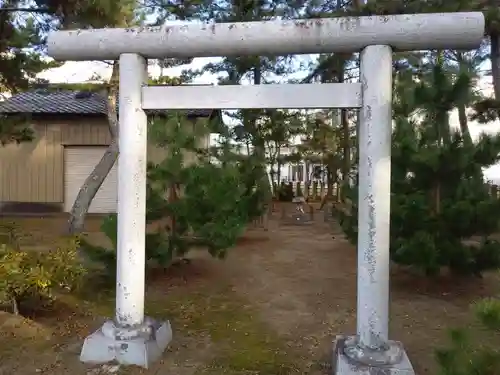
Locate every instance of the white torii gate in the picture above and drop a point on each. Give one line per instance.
(132, 338)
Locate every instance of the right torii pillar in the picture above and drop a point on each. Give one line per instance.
(371, 351)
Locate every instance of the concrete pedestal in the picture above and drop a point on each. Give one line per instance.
(140, 346)
(343, 365)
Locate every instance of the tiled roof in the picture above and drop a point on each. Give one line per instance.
(61, 102)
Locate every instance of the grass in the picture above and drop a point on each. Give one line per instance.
(242, 343)
(225, 315)
(204, 311)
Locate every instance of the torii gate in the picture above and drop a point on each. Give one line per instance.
(133, 339)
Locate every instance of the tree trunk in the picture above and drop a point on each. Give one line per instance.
(462, 114)
(495, 64)
(331, 172)
(464, 128)
(259, 145)
(272, 175)
(94, 181)
(346, 134)
(272, 161)
(307, 178)
(329, 188)
(15, 306)
(90, 188)
(437, 198)
(279, 165)
(173, 195)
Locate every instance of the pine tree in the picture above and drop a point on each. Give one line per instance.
(195, 200)
(20, 62)
(492, 32)
(277, 128)
(322, 144)
(466, 355)
(439, 198)
(339, 68)
(203, 200)
(257, 69)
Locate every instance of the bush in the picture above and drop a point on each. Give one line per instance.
(192, 201)
(466, 356)
(105, 258)
(102, 257)
(212, 212)
(443, 217)
(27, 275)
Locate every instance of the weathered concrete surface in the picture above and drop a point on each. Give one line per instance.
(374, 196)
(132, 165)
(343, 365)
(140, 346)
(405, 32)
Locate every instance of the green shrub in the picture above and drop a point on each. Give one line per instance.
(212, 212)
(439, 201)
(104, 259)
(467, 355)
(38, 274)
(100, 258)
(192, 202)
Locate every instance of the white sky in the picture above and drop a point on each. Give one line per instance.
(81, 71)
(73, 72)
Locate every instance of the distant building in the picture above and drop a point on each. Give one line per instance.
(71, 136)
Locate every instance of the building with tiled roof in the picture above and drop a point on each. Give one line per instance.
(59, 102)
(71, 135)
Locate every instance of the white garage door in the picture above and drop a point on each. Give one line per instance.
(78, 164)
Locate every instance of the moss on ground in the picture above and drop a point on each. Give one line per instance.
(242, 343)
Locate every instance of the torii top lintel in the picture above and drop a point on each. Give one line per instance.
(463, 30)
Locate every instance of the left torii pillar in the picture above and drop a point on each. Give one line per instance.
(131, 338)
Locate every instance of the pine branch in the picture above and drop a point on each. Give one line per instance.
(26, 10)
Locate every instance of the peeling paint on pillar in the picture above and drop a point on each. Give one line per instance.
(131, 193)
(374, 196)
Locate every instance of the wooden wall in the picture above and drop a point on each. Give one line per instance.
(34, 171)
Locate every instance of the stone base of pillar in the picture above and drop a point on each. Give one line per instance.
(140, 346)
(345, 365)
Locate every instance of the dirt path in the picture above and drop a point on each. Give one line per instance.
(294, 282)
(293, 279)
(303, 281)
